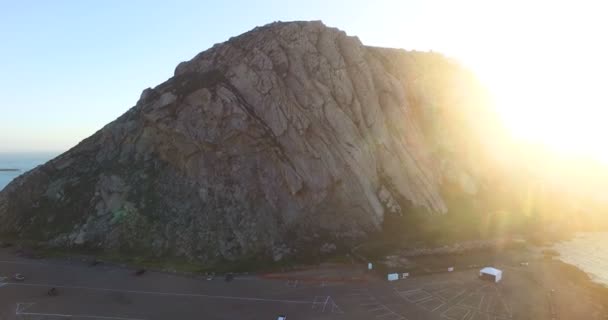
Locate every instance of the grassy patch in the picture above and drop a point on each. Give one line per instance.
(254, 263)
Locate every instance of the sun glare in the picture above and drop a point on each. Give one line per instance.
(546, 65)
(563, 108)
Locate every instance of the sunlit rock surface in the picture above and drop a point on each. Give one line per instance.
(291, 135)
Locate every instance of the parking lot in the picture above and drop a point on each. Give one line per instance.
(113, 292)
(456, 297)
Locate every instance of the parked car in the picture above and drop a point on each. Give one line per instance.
(94, 262)
(53, 292)
(5, 244)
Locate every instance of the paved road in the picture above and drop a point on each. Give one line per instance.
(110, 292)
(114, 293)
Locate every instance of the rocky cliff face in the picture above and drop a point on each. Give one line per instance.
(290, 135)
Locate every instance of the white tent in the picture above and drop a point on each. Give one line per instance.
(491, 273)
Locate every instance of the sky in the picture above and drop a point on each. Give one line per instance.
(67, 68)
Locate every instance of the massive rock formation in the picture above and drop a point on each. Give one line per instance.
(291, 135)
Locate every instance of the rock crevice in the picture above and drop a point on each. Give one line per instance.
(273, 140)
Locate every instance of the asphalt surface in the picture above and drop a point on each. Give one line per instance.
(114, 293)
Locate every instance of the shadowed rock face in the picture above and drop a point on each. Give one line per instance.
(290, 135)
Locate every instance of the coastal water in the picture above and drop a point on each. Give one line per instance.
(23, 162)
(589, 252)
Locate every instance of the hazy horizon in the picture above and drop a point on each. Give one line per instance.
(22, 161)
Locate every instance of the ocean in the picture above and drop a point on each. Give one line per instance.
(23, 161)
(587, 251)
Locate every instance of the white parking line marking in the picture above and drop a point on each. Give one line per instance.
(23, 262)
(72, 316)
(481, 301)
(325, 304)
(318, 300)
(376, 309)
(407, 291)
(372, 306)
(335, 308)
(384, 315)
(445, 313)
(328, 304)
(175, 294)
(21, 306)
(439, 306)
(292, 283)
